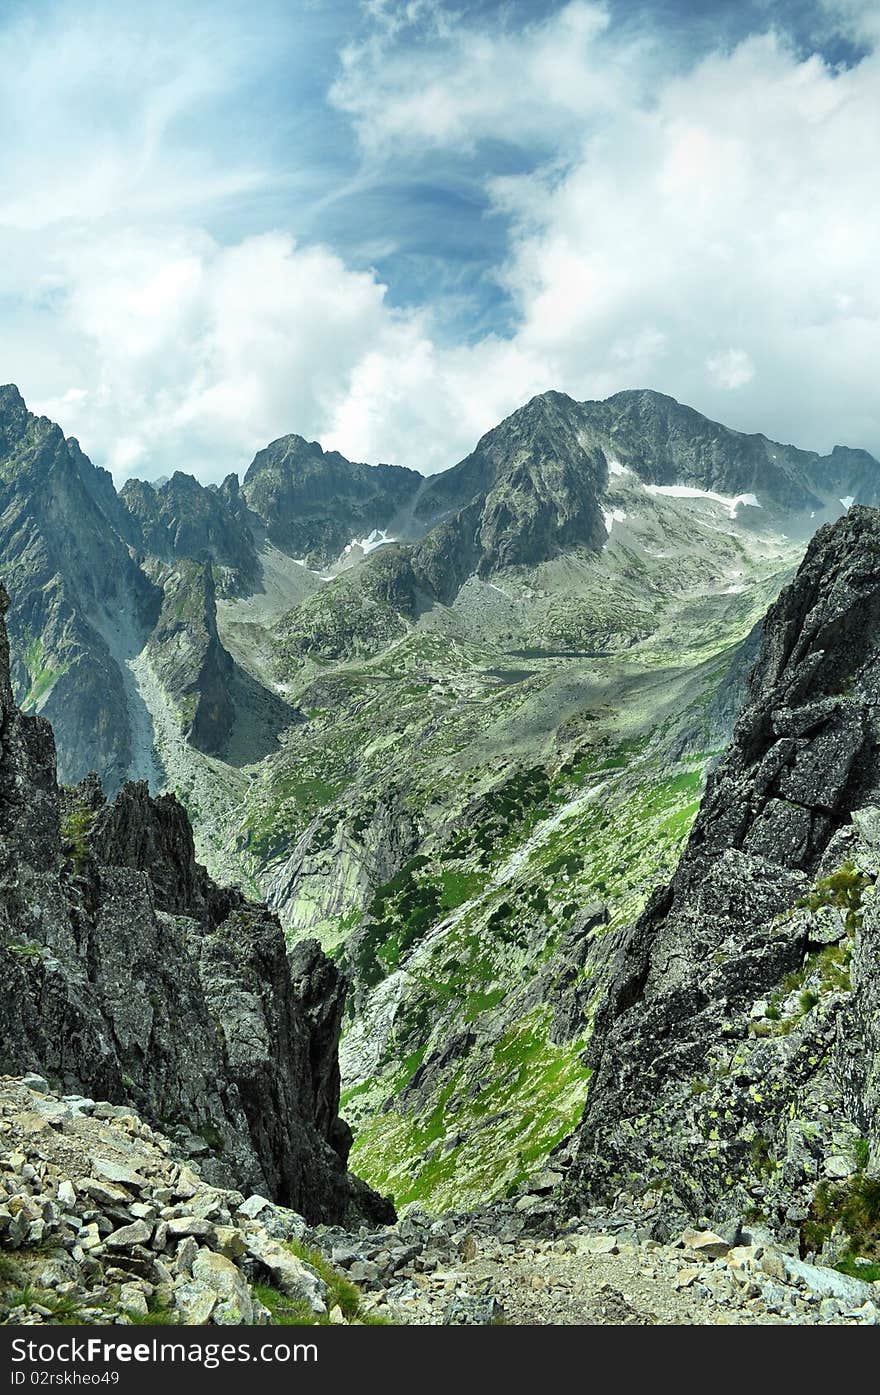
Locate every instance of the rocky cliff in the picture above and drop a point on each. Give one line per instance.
(313, 503)
(183, 519)
(734, 1056)
(128, 974)
(79, 597)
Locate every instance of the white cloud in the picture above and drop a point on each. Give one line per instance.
(470, 82)
(730, 369)
(694, 222)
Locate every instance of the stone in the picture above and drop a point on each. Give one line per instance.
(138, 1233)
(104, 1193)
(253, 1206)
(233, 1306)
(467, 1310)
(830, 1283)
(118, 1172)
(705, 1243)
(81, 1104)
(187, 1184)
(288, 1272)
(66, 1193)
(37, 1083)
(546, 1181)
(194, 1302)
(186, 1253)
(133, 1300)
(180, 1226)
(230, 1241)
(838, 1166)
(594, 1244)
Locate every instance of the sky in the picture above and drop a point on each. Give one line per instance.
(386, 224)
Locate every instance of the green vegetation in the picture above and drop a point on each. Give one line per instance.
(42, 675)
(341, 1293)
(844, 889)
(852, 1208)
(489, 1126)
(75, 829)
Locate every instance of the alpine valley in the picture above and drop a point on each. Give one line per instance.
(545, 796)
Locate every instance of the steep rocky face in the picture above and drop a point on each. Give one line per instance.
(314, 503)
(531, 488)
(127, 974)
(186, 653)
(667, 443)
(734, 1055)
(75, 587)
(181, 519)
(533, 484)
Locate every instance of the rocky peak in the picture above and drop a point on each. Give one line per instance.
(128, 974)
(738, 927)
(182, 519)
(314, 502)
(530, 489)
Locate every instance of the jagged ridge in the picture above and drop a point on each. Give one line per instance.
(127, 974)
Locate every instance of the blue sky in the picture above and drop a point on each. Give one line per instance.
(386, 224)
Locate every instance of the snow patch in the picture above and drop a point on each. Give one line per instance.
(686, 491)
(378, 538)
(615, 468)
(612, 516)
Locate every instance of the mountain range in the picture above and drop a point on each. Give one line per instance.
(458, 729)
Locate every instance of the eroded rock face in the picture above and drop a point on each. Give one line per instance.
(78, 593)
(186, 653)
(128, 974)
(314, 502)
(694, 1084)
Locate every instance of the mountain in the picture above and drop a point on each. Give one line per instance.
(182, 520)
(129, 975)
(456, 729)
(313, 503)
(80, 601)
(533, 486)
(734, 1055)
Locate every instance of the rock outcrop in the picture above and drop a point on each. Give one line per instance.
(313, 503)
(78, 594)
(128, 975)
(734, 1056)
(186, 653)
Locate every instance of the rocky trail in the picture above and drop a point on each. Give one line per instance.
(99, 1222)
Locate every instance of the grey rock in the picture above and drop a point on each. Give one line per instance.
(474, 1311)
(127, 1236)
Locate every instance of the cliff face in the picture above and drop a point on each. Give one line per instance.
(128, 974)
(734, 1059)
(75, 586)
(314, 502)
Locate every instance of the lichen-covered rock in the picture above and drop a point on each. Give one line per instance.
(734, 1056)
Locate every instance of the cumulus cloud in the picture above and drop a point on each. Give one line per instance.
(731, 369)
(725, 221)
(704, 227)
